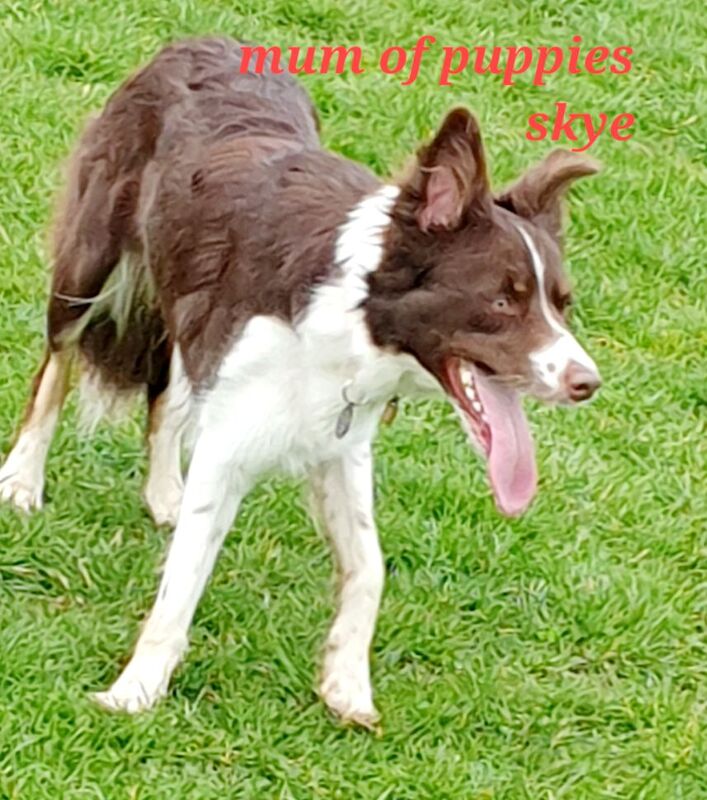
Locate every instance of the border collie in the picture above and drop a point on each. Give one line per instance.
(273, 299)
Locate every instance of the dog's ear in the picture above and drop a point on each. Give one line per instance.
(538, 194)
(449, 181)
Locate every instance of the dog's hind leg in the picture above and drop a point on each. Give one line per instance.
(78, 274)
(22, 475)
(91, 228)
(342, 494)
(169, 410)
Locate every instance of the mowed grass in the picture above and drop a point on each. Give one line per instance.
(561, 655)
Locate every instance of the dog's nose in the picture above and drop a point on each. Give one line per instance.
(580, 382)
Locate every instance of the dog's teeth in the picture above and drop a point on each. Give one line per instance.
(476, 405)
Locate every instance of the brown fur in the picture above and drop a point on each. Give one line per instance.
(253, 236)
(217, 179)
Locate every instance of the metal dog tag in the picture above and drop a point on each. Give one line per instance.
(390, 412)
(343, 423)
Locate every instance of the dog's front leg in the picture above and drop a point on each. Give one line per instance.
(342, 493)
(213, 491)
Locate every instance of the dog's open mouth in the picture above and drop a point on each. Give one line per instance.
(493, 417)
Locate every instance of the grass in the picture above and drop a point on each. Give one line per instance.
(562, 655)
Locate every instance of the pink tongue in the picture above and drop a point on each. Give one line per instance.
(511, 465)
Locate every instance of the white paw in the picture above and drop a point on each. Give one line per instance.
(143, 682)
(346, 689)
(21, 488)
(164, 501)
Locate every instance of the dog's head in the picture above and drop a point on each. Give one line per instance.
(472, 286)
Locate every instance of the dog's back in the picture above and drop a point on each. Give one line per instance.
(190, 109)
(195, 89)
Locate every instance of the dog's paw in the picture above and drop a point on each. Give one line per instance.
(24, 491)
(164, 502)
(347, 693)
(143, 682)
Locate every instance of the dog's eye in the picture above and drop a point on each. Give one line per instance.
(502, 304)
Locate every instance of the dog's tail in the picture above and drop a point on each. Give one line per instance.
(121, 343)
(103, 305)
(123, 346)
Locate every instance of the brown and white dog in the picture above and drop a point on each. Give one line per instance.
(273, 297)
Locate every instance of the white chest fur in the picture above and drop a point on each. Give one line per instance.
(279, 392)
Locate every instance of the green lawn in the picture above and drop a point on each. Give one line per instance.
(561, 655)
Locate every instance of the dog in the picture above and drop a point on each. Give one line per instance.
(273, 299)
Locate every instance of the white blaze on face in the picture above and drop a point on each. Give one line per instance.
(550, 362)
